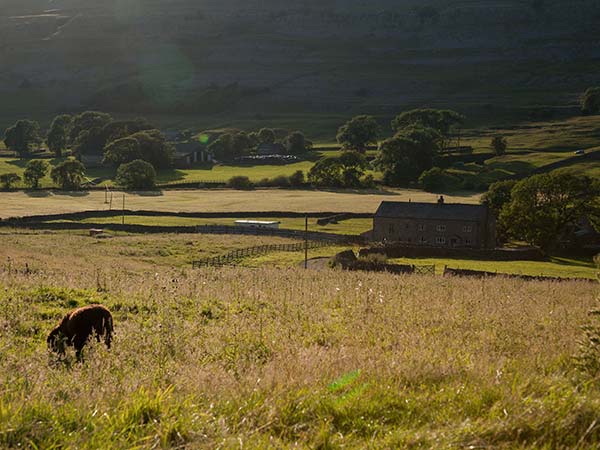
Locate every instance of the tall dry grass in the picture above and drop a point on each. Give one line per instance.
(257, 358)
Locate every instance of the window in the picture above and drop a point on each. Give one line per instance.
(441, 228)
(467, 229)
(422, 240)
(391, 229)
(468, 242)
(440, 240)
(422, 227)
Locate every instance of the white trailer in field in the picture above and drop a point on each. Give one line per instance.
(257, 224)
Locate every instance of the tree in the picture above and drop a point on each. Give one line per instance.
(89, 142)
(21, 136)
(434, 179)
(221, 148)
(69, 175)
(499, 145)
(544, 208)
(35, 170)
(353, 165)
(409, 153)
(122, 151)
(358, 133)
(266, 136)
(58, 134)
(86, 121)
(344, 171)
(326, 172)
(497, 196)
(590, 102)
(154, 148)
(8, 179)
(296, 144)
(240, 144)
(231, 145)
(137, 174)
(118, 129)
(441, 120)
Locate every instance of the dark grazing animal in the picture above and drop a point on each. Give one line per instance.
(78, 326)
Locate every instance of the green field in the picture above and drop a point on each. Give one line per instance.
(350, 226)
(554, 267)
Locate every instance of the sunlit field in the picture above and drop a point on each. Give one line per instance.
(218, 200)
(282, 357)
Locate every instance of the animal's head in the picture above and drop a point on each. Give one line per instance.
(56, 341)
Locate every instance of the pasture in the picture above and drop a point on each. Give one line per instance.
(14, 204)
(284, 358)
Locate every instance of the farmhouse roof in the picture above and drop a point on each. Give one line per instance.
(432, 211)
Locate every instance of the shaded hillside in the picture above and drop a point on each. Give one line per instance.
(263, 57)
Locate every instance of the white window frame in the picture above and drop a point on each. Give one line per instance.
(422, 227)
(467, 228)
(440, 240)
(422, 240)
(440, 228)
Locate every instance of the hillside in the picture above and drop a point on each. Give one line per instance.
(255, 58)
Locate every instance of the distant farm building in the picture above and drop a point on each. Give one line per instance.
(189, 153)
(257, 224)
(435, 225)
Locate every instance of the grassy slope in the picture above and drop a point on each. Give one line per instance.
(286, 358)
(531, 146)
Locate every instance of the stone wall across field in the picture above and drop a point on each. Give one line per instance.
(498, 254)
(199, 215)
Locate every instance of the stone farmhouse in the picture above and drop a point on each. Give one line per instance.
(435, 225)
(189, 153)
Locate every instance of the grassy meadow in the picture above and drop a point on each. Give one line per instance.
(269, 357)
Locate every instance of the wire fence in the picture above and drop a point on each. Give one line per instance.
(235, 255)
(424, 270)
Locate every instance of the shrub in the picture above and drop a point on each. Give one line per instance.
(240, 182)
(281, 181)
(137, 174)
(8, 179)
(297, 178)
(434, 179)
